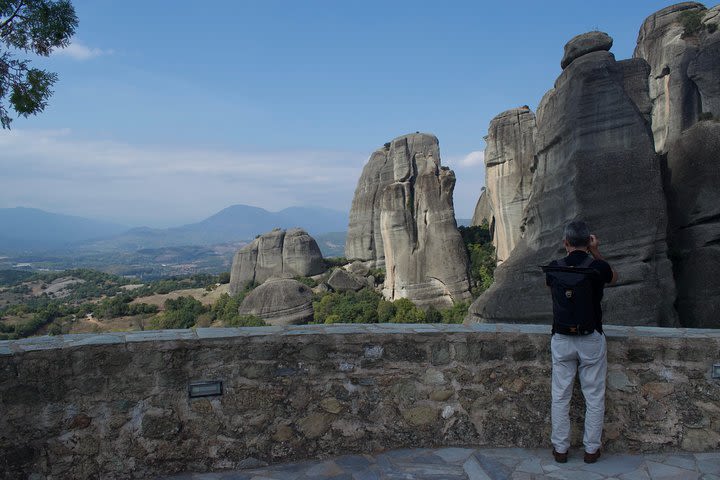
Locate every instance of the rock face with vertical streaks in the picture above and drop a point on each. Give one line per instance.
(673, 55)
(483, 210)
(403, 218)
(596, 162)
(278, 253)
(681, 43)
(364, 240)
(425, 258)
(509, 165)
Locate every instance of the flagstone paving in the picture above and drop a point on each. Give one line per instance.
(482, 464)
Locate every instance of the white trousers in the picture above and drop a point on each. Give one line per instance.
(586, 354)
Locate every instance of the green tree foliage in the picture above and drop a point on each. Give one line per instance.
(225, 310)
(224, 278)
(386, 311)
(40, 318)
(119, 306)
(368, 306)
(347, 307)
(481, 253)
(432, 315)
(455, 314)
(13, 277)
(407, 312)
(181, 312)
(307, 281)
(692, 22)
(245, 321)
(37, 26)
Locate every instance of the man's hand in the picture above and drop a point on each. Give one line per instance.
(593, 247)
(594, 243)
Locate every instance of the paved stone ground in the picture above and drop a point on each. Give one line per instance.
(482, 464)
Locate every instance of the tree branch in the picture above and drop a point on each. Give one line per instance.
(9, 20)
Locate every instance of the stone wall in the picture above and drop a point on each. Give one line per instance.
(116, 405)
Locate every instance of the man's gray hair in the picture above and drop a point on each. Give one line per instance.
(577, 234)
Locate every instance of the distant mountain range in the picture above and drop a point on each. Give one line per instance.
(29, 229)
(24, 229)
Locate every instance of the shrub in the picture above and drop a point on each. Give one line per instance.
(407, 312)
(245, 321)
(225, 310)
(705, 116)
(432, 315)
(379, 274)
(455, 314)
(224, 277)
(179, 313)
(385, 311)
(307, 281)
(347, 307)
(712, 27)
(481, 253)
(691, 21)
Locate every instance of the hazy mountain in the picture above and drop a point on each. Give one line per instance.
(33, 229)
(24, 229)
(232, 224)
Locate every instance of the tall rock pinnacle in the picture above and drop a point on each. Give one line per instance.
(403, 218)
(596, 162)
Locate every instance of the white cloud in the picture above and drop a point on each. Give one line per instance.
(163, 185)
(78, 51)
(473, 158)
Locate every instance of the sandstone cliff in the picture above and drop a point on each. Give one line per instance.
(684, 59)
(596, 162)
(277, 253)
(509, 164)
(483, 210)
(684, 69)
(403, 217)
(425, 257)
(364, 239)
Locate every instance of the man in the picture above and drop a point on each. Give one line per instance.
(577, 283)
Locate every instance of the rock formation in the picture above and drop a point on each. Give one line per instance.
(595, 161)
(425, 257)
(402, 217)
(483, 210)
(583, 44)
(280, 301)
(291, 253)
(364, 239)
(684, 81)
(684, 88)
(343, 281)
(694, 199)
(509, 165)
(673, 55)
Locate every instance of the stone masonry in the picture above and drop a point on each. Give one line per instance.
(116, 405)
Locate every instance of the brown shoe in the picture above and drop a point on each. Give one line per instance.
(560, 457)
(591, 457)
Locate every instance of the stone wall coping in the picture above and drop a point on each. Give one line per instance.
(11, 347)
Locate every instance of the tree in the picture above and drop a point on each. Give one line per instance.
(37, 26)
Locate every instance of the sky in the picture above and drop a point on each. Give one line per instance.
(167, 111)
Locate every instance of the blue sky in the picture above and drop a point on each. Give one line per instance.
(168, 111)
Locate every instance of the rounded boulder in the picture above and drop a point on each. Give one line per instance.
(280, 301)
(583, 44)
